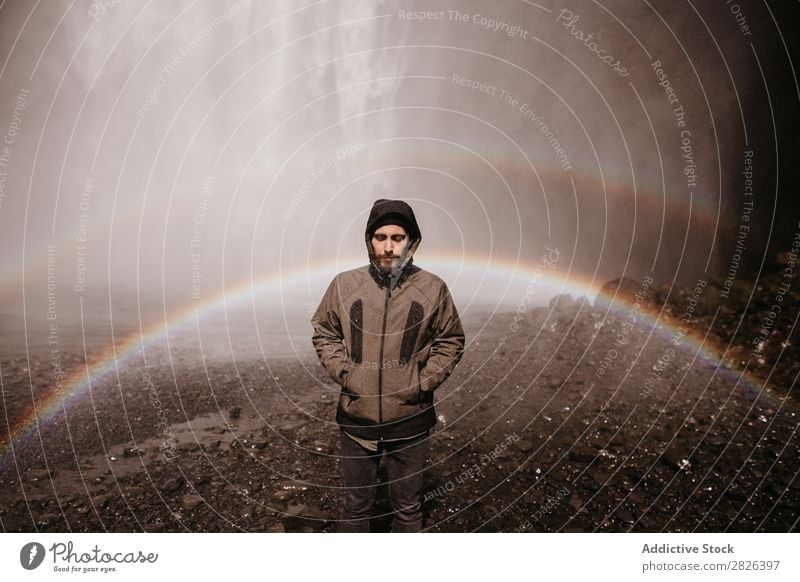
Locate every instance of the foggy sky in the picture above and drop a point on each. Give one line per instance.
(174, 151)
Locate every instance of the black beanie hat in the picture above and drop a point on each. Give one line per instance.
(392, 212)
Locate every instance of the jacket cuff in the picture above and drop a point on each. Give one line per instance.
(425, 383)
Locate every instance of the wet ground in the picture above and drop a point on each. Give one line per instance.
(569, 418)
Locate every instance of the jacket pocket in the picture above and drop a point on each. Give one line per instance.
(362, 380)
(412, 392)
(352, 383)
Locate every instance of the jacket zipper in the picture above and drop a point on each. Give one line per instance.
(380, 369)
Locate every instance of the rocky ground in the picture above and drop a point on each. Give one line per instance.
(573, 417)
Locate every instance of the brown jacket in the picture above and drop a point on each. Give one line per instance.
(389, 342)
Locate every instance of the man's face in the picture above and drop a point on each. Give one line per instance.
(388, 244)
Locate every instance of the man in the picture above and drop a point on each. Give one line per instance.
(389, 334)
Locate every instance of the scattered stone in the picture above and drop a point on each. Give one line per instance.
(636, 497)
(775, 488)
(293, 486)
(322, 448)
(647, 523)
(202, 480)
(575, 502)
(172, 486)
(36, 475)
(212, 445)
(292, 426)
(523, 445)
(304, 517)
(48, 518)
(190, 502)
(599, 477)
(189, 447)
(282, 495)
(101, 501)
(625, 516)
(676, 457)
(583, 456)
(132, 491)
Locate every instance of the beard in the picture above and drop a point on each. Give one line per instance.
(389, 265)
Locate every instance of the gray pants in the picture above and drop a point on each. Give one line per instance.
(405, 461)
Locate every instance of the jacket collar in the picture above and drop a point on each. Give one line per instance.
(385, 280)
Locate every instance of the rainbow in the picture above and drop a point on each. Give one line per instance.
(615, 183)
(58, 400)
(657, 201)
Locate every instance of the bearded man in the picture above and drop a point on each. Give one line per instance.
(389, 334)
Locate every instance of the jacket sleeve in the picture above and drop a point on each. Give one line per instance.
(328, 338)
(447, 346)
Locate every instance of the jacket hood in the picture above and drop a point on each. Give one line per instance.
(392, 212)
